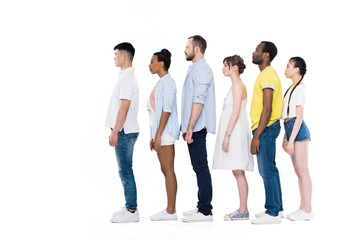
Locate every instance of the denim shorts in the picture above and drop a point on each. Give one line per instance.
(303, 134)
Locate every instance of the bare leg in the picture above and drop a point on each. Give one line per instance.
(166, 158)
(300, 163)
(243, 189)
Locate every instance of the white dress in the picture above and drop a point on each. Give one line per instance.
(238, 156)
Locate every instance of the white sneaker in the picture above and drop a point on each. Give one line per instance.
(300, 215)
(267, 219)
(260, 214)
(163, 216)
(123, 210)
(290, 214)
(125, 217)
(197, 217)
(190, 212)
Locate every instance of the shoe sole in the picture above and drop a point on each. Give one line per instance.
(155, 220)
(194, 221)
(266, 223)
(125, 221)
(260, 215)
(235, 219)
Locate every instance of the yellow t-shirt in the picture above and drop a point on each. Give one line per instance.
(268, 78)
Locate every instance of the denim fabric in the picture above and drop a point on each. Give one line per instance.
(124, 153)
(303, 134)
(198, 156)
(268, 170)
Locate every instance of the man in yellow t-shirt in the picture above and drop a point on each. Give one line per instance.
(266, 109)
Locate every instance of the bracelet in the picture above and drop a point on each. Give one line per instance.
(227, 134)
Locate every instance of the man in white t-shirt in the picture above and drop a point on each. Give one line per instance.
(122, 120)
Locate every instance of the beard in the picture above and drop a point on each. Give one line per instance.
(190, 57)
(257, 61)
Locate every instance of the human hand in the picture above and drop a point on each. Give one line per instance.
(188, 136)
(113, 139)
(151, 144)
(290, 148)
(225, 143)
(157, 144)
(255, 146)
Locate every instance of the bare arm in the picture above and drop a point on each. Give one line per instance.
(120, 120)
(195, 114)
(264, 120)
(237, 92)
(296, 128)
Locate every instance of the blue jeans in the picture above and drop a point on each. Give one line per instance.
(198, 156)
(268, 170)
(124, 153)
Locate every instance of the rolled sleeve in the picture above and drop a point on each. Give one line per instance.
(202, 81)
(169, 95)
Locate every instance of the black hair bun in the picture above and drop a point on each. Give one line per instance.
(166, 53)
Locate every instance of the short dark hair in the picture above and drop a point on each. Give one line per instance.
(164, 56)
(200, 42)
(270, 48)
(128, 48)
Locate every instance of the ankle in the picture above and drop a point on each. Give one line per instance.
(170, 210)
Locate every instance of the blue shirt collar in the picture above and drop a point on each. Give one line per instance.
(198, 63)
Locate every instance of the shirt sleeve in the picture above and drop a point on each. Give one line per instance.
(169, 96)
(126, 89)
(268, 81)
(202, 81)
(299, 98)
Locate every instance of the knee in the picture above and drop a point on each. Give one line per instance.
(238, 174)
(167, 171)
(301, 172)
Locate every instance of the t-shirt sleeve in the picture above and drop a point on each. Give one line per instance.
(299, 98)
(126, 89)
(268, 81)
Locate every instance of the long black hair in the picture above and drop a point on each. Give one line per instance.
(301, 64)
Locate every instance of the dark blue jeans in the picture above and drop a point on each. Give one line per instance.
(124, 153)
(198, 156)
(268, 169)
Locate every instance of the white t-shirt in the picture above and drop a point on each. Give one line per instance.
(126, 88)
(297, 99)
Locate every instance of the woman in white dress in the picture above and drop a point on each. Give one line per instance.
(232, 147)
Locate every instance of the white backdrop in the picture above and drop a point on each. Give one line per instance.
(58, 176)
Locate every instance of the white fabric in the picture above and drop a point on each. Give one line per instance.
(238, 156)
(126, 88)
(297, 99)
(166, 139)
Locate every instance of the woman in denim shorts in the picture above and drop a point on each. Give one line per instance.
(297, 135)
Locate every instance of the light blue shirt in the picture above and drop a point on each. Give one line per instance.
(165, 101)
(199, 88)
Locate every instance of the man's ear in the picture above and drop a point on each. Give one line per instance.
(125, 56)
(266, 55)
(197, 49)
